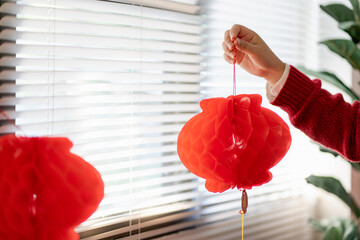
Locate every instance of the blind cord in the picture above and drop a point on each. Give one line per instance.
(11, 121)
(141, 70)
(53, 72)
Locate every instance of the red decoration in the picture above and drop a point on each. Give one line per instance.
(233, 142)
(45, 191)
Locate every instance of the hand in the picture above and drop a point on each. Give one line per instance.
(252, 53)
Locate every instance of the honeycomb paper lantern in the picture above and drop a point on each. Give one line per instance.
(45, 190)
(233, 142)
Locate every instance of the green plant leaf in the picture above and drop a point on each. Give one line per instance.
(351, 230)
(335, 187)
(339, 12)
(346, 49)
(317, 225)
(356, 9)
(333, 233)
(336, 228)
(332, 79)
(352, 28)
(326, 150)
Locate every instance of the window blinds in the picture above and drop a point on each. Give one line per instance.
(119, 80)
(184, 6)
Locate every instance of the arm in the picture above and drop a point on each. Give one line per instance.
(325, 118)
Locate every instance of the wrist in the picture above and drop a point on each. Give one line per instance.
(275, 73)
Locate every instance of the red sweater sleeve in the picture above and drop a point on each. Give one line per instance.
(324, 117)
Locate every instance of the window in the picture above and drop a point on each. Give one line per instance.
(120, 78)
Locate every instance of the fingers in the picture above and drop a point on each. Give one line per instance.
(227, 41)
(228, 59)
(245, 47)
(228, 47)
(241, 45)
(242, 35)
(234, 32)
(227, 50)
(238, 38)
(239, 31)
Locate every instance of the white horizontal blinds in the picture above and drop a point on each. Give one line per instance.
(279, 209)
(183, 6)
(283, 24)
(119, 80)
(7, 95)
(281, 223)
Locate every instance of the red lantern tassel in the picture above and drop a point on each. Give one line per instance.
(244, 205)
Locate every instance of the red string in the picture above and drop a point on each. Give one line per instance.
(234, 77)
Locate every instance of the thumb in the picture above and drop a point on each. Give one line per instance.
(244, 46)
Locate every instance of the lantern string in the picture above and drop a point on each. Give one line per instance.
(234, 77)
(242, 224)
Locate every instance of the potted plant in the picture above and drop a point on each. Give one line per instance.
(348, 21)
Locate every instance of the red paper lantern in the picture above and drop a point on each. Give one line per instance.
(233, 142)
(45, 190)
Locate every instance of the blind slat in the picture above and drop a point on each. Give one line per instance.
(88, 65)
(102, 18)
(36, 77)
(95, 41)
(99, 30)
(97, 54)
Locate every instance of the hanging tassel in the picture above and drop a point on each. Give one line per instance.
(244, 205)
(244, 201)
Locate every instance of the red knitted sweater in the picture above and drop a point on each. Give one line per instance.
(324, 117)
